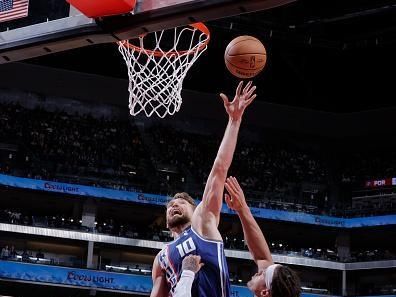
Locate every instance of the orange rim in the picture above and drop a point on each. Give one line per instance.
(199, 26)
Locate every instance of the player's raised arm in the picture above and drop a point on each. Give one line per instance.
(211, 204)
(254, 237)
(160, 288)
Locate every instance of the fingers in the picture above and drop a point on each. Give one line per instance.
(251, 91)
(230, 189)
(225, 98)
(246, 88)
(236, 198)
(248, 92)
(228, 200)
(239, 88)
(235, 183)
(234, 186)
(193, 256)
(197, 259)
(192, 262)
(250, 100)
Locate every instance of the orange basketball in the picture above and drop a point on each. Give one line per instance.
(245, 56)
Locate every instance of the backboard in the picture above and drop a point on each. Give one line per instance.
(54, 26)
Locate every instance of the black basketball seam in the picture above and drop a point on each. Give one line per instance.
(261, 54)
(249, 38)
(244, 68)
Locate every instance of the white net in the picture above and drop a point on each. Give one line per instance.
(156, 75)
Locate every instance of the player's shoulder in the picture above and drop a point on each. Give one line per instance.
(167, 245)
(186, 233)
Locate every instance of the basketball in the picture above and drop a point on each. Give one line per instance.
(245, 56)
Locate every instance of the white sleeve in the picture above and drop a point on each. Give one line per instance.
(183, 287)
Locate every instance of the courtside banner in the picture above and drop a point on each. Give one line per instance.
(86, 278)
(271, 214)
(74, 277)
(93, 279)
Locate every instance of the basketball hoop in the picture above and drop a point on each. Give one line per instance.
(157, 65)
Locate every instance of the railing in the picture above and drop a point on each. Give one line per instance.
(290, 258)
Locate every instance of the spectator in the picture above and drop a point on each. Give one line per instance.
(5, 253)
(111, 152)
(25, 256)
(40, 254)
(13, 253)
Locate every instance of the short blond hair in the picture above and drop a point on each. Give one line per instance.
(185, 196)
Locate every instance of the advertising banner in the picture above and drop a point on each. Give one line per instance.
(93, 279)
(153, 199)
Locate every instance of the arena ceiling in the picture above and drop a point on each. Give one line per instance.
(336, 56)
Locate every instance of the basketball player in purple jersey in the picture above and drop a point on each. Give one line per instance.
(272, 280)
(195, 229)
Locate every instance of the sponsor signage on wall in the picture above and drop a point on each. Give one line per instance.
(386, 182)
(160, 200)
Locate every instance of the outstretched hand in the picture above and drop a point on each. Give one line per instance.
(243, 98)
(236, 198)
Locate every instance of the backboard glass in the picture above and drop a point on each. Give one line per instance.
(54, 25)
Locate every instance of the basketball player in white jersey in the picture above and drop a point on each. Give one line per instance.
(272, 280)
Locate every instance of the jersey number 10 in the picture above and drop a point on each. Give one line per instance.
(186, 247)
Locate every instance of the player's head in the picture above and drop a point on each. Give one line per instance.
(179, 210)
(275, 281)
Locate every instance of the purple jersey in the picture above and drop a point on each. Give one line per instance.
(212, 280)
